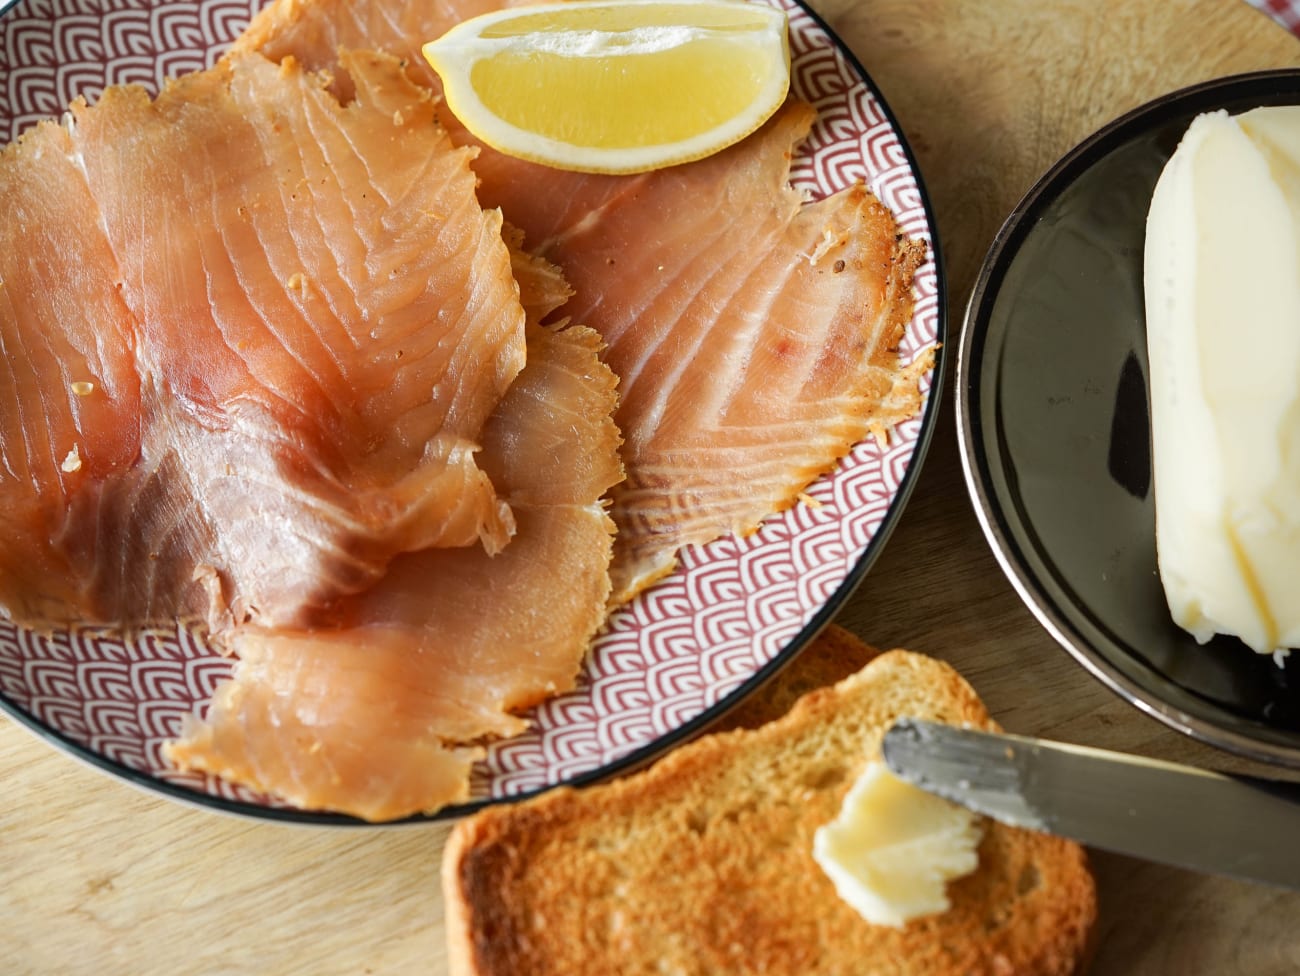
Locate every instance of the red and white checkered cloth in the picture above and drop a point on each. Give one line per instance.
(1285, 12)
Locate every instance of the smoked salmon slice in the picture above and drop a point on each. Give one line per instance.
(293, 395)
(375, 713)
(69, 390)
(314, 33)
(312, 321)
(755, 337)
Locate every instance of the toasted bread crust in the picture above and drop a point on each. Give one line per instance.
(702, 864)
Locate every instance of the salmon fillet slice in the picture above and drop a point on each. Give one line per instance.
(318, 319)
(69, 391)
(755, 337)
(313, 33)
(376, 714)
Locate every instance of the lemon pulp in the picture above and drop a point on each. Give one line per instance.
(615, 85)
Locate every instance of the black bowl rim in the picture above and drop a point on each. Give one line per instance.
(684, 732)
(1203, 96)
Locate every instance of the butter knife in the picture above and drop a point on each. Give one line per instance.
(1239, 826)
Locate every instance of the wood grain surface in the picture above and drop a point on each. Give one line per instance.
(97, 877)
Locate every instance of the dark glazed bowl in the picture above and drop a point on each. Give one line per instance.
(1053, 419)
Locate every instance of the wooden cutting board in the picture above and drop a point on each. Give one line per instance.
(96, 877)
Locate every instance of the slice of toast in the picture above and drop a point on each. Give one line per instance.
(703, 864)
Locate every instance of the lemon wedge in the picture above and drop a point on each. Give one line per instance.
(615, 86)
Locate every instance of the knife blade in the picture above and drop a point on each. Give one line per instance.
(1239, 826)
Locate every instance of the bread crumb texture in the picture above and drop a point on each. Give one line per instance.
(703, 863)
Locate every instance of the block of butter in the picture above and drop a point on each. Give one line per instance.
(894, 847)
(1222, 278)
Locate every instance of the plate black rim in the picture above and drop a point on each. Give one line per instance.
(976, 466)
(684, 732)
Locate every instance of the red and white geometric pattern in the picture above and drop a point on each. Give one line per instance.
(1285, 12)
(731, 608)
(51, 51)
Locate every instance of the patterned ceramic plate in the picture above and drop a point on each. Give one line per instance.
(666, 664)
